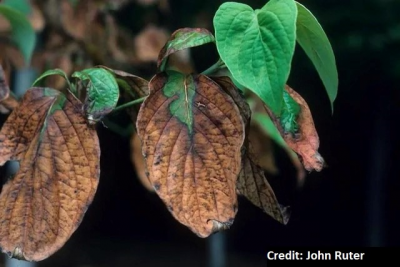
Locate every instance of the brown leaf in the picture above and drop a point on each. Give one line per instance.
(252, 182)
(77, 21)
(4, 89)
(229, 87)
(192, 133)
(306, 141)
(8, 104)
(253, 185)
(36, 18)
(149, 43)
(7, 101)
(139, 163)
(44, 203)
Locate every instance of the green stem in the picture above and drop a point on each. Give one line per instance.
(129, 104)
(218, 65)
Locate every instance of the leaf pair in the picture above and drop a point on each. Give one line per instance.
(192, 129)
(257, 46)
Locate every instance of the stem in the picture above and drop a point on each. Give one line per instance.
(218, 65)
(129, 104)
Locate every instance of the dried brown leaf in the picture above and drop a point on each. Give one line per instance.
(306, 143)
(191, 133)
(149, 42)
(44, 203)
(252, 182)
(253, 185)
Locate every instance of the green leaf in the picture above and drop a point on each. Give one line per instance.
(183, 39)
(102, 92)
(22, 33)
(53, 72)
(258, 46)
(22, 6)
(315, 43)
(290, 111)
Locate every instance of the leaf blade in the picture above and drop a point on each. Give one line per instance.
(22, 34)
(258, 46)
(194, 171)
(103, 93)
(314, 41)
(58, 176)
(183, 39)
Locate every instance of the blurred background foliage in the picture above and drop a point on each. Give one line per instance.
(353, 202)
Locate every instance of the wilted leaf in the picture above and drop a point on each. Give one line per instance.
(102, 92)
(44, 203)
(21, 31)
(253, 185)
(133, 87)
(183, 39)
(192, 133)
(315, 43)
(306, 141)
(257, 46)
(139, 163)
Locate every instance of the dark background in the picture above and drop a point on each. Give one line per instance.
(354, 202)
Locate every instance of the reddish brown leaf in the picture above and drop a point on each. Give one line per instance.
(43, 204)
(306, 141)
(252, 182)
(192, 133)
(139, 163)
(253, 185)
